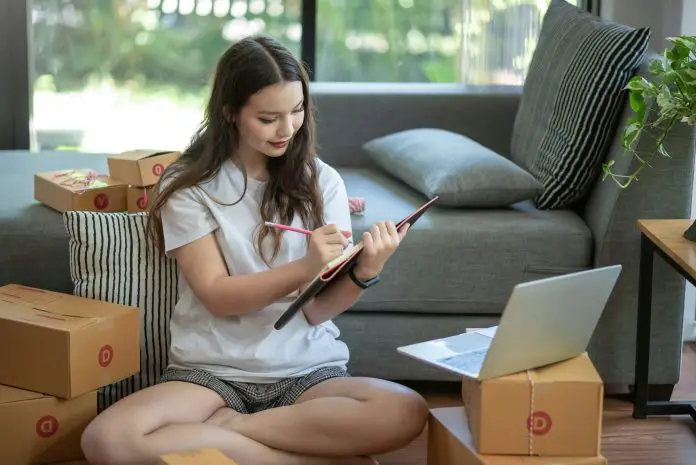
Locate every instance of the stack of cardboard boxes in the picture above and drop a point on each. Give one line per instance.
(549, 415)
(127, 187)
(56, 351)
(140, 170)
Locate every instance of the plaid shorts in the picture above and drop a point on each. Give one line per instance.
(254, 397)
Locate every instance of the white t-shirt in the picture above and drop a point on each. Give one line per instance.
(247, 348)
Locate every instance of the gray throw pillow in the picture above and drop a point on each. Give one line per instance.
(572, 97)
(461, 171)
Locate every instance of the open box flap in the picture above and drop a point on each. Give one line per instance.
(140, 154)
(52, 309)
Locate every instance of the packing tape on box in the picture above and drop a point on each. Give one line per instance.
(79, 181)
(530, 421)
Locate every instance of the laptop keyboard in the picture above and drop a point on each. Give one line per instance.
(470, 362)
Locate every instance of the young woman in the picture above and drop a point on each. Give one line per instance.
(262, 396)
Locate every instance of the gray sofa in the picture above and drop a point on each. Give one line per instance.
(458, 266)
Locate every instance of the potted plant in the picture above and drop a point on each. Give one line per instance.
(673, 90)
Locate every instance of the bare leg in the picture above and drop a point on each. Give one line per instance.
(171, 418)
(340, 417)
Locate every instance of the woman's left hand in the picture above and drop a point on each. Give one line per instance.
(378, 246)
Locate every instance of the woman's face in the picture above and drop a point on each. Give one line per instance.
(270, 119)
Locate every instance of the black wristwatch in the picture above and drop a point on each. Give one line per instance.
(362, 284)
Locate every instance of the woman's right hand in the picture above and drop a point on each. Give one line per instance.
(325, 244)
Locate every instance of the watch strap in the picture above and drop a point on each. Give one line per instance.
(362, 284)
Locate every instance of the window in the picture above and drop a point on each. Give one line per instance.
(112, 75)
(135, 73)
(475, 42)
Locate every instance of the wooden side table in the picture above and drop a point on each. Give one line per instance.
(664, 238)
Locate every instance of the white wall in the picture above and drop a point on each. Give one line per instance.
(665, 18)
(689, 17)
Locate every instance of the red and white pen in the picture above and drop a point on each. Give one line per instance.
(298, 230)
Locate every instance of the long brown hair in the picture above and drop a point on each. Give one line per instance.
(247, 67)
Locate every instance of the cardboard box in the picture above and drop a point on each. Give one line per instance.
(206, 456)
(64, 345)
(140, 168)
(139, 198)
(450, 443)
(80, 190)
(35, 428)
(553, 410)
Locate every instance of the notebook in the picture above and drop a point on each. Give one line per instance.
(339, 267)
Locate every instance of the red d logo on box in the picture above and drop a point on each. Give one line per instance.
(46, 426)
(539, 423)
(101, 201)
(106, 355)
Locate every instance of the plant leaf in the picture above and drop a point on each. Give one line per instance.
(671, 93)
(656, 67)
(637, 84)
(631, 133)
(665, 100)
(637, 103)
(687, 76)
(688, 42)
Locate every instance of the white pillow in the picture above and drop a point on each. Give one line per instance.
(111, 260)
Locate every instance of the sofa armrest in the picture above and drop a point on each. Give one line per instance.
(348, 115)
(664, 190)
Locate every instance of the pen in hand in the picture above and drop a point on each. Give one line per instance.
(298, 230)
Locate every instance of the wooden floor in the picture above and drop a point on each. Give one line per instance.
(654, 441)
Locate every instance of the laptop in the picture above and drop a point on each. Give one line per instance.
(545, 321)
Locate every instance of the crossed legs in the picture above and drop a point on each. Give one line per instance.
(338, 417)
(340, 421)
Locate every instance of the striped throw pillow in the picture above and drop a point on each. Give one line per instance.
(111, 260)
(572, 97)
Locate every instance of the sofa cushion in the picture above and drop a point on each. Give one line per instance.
(461, 171)
(464, 261)
(571, 99)
(111, 260)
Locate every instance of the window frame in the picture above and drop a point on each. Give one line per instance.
(16, 92)
(309, 30)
